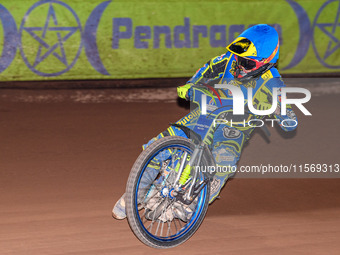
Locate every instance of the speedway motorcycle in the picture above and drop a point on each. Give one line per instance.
(168, 189)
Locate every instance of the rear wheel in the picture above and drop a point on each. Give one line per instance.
(155, 213)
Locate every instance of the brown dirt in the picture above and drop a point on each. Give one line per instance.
(63, 165)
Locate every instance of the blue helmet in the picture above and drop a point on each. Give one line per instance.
(257, 49)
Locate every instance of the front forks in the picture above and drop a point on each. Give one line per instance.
(182, 179)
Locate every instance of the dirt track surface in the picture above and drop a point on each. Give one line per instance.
(63, 165)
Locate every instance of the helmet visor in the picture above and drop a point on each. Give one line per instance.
(242, 47)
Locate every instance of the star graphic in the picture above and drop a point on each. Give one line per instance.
(48, 27)
(329, 29)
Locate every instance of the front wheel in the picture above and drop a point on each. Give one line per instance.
(155, 212)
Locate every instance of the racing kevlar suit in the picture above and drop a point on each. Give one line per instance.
(226, 141)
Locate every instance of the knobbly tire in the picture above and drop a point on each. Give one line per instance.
(176, 233)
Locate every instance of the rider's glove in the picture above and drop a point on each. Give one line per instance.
(182, 91)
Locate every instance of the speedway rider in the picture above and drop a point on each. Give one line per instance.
(249, 61)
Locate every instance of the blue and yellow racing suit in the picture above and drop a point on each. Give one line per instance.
(226, 140)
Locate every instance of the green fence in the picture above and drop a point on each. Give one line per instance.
(141, 39)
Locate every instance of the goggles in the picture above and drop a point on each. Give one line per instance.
(248, 64)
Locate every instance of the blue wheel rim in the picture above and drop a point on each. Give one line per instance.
(193, 219)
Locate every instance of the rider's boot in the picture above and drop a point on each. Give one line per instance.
(118, 211)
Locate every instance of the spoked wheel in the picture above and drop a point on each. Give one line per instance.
(158, 212)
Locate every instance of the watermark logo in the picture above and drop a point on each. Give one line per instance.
(239, 98)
